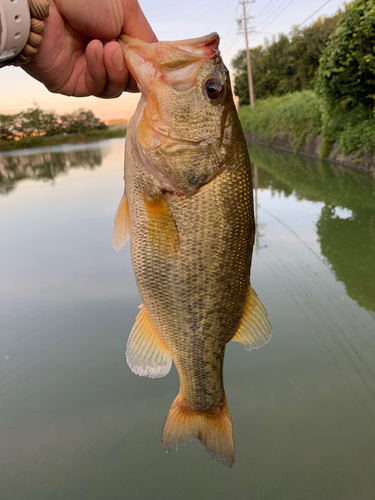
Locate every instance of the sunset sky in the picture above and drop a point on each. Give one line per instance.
(171, 20)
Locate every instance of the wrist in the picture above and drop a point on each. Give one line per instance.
(21, 28)
(15, 27)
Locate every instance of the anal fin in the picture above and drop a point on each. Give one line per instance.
(255, 329)
(146, 353)
(121, 230)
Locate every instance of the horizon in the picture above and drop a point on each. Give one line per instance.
(22, 91)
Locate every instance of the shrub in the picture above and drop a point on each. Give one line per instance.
(346, 75)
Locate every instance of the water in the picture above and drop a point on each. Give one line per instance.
(75, 423)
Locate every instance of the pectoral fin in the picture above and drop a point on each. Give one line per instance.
(121, 230)
(146, 353)
(161, 227)
(255, 329)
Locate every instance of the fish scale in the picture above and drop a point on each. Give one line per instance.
(191, 244)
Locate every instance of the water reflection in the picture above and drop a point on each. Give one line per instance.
(349, 245)
(45, 165)
(77, 424)
(346, 226)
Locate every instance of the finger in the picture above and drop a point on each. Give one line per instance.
(95, 76)
(88, 74)
(132, 85)
(117, 71)
(135, 22)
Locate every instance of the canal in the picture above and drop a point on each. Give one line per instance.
(76, 423)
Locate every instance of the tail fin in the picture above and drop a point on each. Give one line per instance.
(213, 429)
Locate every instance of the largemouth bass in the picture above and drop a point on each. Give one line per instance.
(188, 209)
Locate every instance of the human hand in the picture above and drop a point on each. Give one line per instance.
(72, 59)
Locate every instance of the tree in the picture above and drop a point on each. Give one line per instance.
(287, 64)
(10, 126)
(80, 121)
(307, 47)
(346, 76)
(270, 67)
(36, 122)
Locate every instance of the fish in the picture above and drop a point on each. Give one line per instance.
(188, 210)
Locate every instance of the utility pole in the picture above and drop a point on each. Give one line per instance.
(248, 61)
(256, 207)
(245, 18)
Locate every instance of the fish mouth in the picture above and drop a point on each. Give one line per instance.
(156, 65)
(175, 62)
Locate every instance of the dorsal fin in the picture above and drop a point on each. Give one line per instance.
(146, 353)
(255, 329)
(121, 231)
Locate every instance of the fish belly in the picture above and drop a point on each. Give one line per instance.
(196, 298)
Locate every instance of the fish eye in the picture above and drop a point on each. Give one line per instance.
(214, 88)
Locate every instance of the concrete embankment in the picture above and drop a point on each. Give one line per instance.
(353, 160)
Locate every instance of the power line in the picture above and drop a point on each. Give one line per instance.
(313, 14)
(225, 40)
(264, 10)
(273, 12)
(235, 39)
(230, 42)
(279, 12)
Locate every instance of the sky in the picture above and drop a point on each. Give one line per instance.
(172, 20)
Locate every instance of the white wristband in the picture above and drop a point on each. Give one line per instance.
(15, 27)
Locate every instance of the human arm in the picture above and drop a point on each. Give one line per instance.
(72, 60)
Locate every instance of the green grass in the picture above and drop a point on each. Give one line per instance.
(301, 116)
(33, 142)
(296, 116)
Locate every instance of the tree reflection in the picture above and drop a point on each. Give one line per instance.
(313, 180)
(44, 166)
(347, 243)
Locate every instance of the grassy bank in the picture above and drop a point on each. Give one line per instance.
(296, 116)
(33, 142)
(299, 118)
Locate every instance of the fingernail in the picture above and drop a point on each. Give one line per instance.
(118, 60)
(99, 53)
